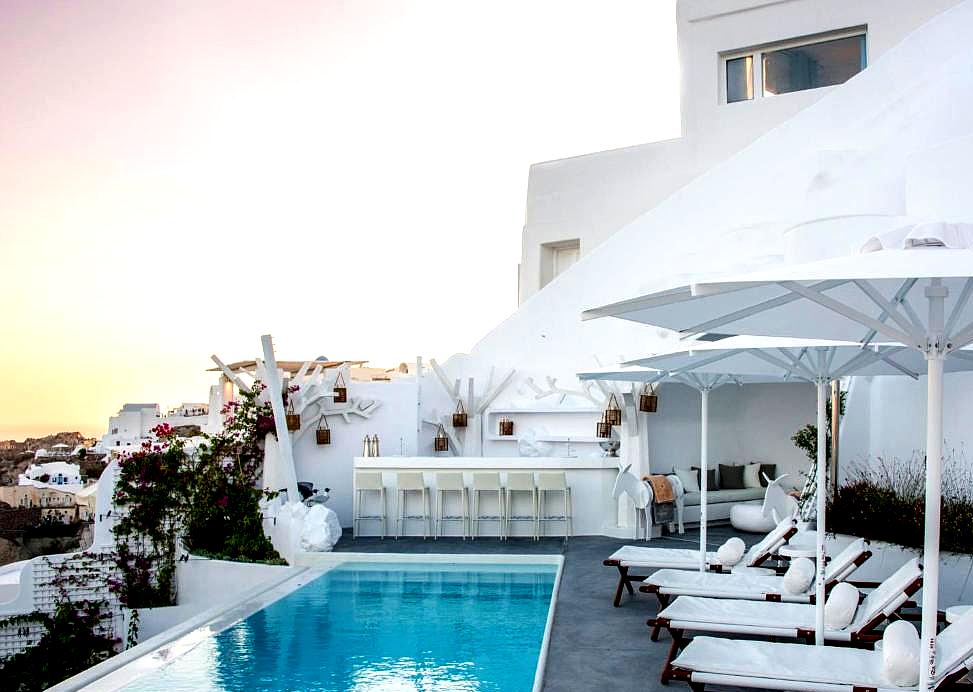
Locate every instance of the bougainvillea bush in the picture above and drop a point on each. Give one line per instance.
(207, 497)
(884, 499)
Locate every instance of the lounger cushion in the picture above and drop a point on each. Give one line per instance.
(747, 613)
(782, 661)
(839, 609)
(900, 654)
(799, 576)
(674, 558)
(739, 584)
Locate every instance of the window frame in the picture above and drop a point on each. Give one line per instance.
(757, 53)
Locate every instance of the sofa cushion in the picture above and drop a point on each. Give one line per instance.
(716, 497)
(770, 470)
(711, 480)
(731, 477)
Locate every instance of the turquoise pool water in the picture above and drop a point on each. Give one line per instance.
(380, 627)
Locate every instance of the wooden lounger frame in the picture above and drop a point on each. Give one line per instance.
(865, 636)
(625, 580)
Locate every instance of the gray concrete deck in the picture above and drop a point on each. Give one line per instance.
(593, 644)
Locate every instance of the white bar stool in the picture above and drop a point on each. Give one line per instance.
(411, 482)
(369, 482)
(487, 483)
(521, 483)
(553, 482)
(451, 483)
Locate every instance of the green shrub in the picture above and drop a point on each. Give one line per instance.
(885, 500)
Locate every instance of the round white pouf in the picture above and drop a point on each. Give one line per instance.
(749, 517)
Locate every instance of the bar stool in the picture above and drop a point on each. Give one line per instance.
(411, 482)
(521, 483)
(451, 483)
(487, 483)
(368, 482)
(553, 482)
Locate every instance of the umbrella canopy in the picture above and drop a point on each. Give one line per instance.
(878, 293)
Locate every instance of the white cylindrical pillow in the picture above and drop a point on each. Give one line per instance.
(799, 576)
(900, 654)
(839, 609)
(731, 552)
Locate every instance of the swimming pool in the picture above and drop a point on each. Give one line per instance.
(370, 626)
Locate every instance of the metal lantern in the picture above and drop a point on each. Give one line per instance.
(323, 434)
(648, 400)
(293, 419)
(340, 390)
(613, 414)
(506, 427)
(459, 416)
(603, 428)
(440, 443)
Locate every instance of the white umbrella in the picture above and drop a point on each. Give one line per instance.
(853, 298)
(704, 383)
(814, 361)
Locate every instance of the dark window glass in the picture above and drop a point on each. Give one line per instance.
(814, 65)
(739, 79)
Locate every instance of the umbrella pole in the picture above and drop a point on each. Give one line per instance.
(821, 498)
(930, 558)
(703, 473)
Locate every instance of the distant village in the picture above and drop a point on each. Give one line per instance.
(48, 485)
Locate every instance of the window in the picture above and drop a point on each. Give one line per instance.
(785, 67)
(557, 258)
(739, 79)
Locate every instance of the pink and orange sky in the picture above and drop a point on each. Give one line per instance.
(179, 178)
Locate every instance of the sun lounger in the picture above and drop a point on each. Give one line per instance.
(644, 558)
(787, 620)
(781, 666)
(669, 583)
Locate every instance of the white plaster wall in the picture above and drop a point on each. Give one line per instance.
(204, 584)
(748, 424)
(591, 197)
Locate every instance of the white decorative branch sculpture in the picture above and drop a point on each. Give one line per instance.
(561, 393)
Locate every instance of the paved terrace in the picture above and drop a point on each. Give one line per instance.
(593, 645)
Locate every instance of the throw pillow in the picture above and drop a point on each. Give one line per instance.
(751, 476)
(900, 654)
(731, 552)
(770, 470)
(799, 576)
(689, 479)
(710, 478)
(731, 477)
(840, 607)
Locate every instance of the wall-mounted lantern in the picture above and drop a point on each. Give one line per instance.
(506, 427)
(440, 443)
(648, 400)
(293, 419)
(459, 416)
(604, 427)
(340, 390)
(613, 414)
(323, 434)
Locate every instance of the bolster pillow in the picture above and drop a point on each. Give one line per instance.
(731, 552)
(799, 576)
(839, 609)
(900, 654)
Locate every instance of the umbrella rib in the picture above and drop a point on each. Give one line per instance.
(901, 368)
(852, 365)
(847, 311)
(795, 369)
(899, 296)
(963, 338)
(795, 362)
(961, 302)
(770, 304)
(888, 308)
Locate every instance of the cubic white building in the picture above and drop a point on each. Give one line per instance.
(746, 67)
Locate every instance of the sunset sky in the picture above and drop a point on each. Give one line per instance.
(178, 178)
